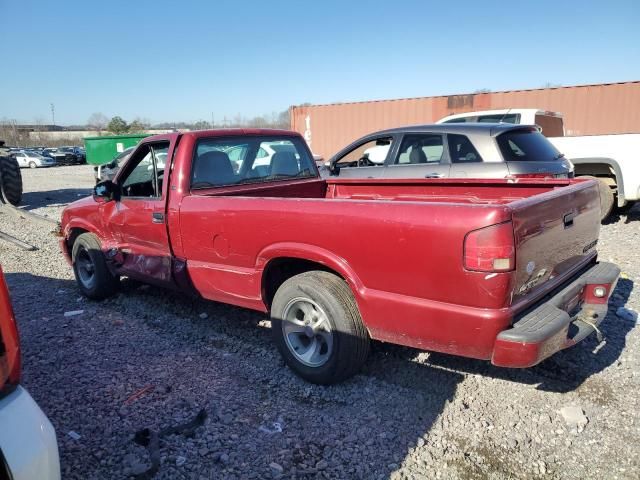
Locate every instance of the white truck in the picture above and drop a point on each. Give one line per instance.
(613, 159)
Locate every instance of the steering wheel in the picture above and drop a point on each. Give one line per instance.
(365, 162)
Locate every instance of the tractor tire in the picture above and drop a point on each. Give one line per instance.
(10, 181)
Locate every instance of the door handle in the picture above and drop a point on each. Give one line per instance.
(434, 175)
(157, 217)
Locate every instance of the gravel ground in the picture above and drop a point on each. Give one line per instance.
(409, 414)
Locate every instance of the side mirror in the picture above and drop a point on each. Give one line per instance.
(334, 168)
(106, 191)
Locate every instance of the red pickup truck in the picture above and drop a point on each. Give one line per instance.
(488, 269)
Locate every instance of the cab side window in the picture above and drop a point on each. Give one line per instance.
(369, 154)
(420, 148)
(145, 171)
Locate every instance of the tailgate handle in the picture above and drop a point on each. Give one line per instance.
(568, 219)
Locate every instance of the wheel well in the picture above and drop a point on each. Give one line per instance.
(601, 170)
(75, 233)
(280, 270)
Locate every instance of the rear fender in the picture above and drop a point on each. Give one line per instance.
(315, 254)
(616, 170)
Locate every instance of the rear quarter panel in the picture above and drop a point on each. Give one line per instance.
(413, 249)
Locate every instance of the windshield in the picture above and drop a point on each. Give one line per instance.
(527, 146)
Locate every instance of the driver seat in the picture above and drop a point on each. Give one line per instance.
(417, 155)
(213, 168)
(284, 163)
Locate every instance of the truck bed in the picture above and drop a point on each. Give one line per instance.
(399, 244)
(446, 190)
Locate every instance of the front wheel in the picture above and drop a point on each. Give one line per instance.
(32, 165)
(90, 268)
(317, 328)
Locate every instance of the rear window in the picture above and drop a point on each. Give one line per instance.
(238, 160)
(526, 146)
(500, 118)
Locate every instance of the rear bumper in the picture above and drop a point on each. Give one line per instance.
(27, 439)
(559, 321)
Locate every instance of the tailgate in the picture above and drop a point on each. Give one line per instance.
(555, 234)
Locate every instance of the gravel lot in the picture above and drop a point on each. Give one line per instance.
(409, 414)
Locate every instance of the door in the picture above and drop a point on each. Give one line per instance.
(367, 159)
(22, 159)
(421, 155)
(138, 220)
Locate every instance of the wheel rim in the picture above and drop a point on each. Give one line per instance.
(32, 165)
(85, 268)
(307, 332)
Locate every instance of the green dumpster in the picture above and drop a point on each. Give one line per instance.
(101, 150)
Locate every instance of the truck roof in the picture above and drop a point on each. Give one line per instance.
(233, 132)
(502, 111)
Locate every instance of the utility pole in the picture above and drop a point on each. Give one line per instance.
(212, 123)
(53, 114)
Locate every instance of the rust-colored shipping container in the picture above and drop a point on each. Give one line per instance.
(587, 110)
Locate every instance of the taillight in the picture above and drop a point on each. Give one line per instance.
(9, 343)
(490, 249)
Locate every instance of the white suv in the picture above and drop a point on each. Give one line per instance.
(28, 445)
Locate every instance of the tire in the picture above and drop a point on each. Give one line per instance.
(10, 181)
(341, 342)
(94, 279)
(606, 197)
(32, 165)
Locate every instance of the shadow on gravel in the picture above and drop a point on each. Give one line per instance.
(629, 214)
(566, 370)
(33, 200)
(363, 428)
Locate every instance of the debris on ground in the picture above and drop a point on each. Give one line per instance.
(136, 395)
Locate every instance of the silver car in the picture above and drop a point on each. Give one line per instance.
(470, 150)
(32, 159)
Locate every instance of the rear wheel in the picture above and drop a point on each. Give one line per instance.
(10, 181)
(317, 327)
(90, 268)
(32, 165)
(606, 197)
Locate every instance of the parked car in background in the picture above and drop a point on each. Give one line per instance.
(456, 151)
(32, 159)
(28, 445)
(613, 159)
(492, 269)
(62, 158)
(78, 152)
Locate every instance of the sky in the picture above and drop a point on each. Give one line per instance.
(188, 60)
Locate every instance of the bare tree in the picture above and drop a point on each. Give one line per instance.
(98, 121)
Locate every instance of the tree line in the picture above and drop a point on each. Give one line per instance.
(118, 126)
